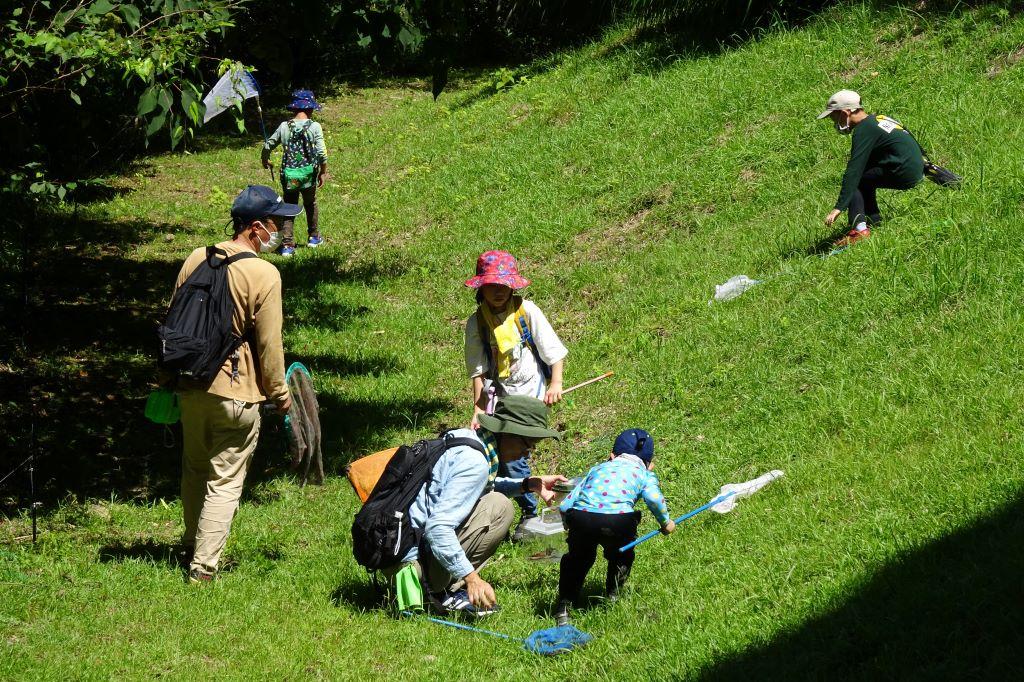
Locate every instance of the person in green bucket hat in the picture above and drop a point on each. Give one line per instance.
(465, 512)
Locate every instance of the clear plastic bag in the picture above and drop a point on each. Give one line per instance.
(733, 288)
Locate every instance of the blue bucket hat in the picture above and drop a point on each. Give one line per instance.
(636, 442)
(302, 100)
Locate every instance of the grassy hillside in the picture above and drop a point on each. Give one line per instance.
(630, 177)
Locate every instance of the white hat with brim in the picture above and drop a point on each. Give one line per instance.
(844, 100)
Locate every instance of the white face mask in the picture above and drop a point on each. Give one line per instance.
(271, 245)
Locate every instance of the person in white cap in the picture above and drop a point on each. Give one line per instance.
(883, 155)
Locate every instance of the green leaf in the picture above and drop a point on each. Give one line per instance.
(61, 193)
(177, 132)
(165, 99)
(74, 97)
(241, 124)
(365, 41)
(17, 11)
(408, 38)
(189, 104)
(147, 102)
(99, 7)
(131, 14)
(155, 124)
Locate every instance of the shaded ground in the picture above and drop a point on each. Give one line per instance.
(77, 362)
(948, 611)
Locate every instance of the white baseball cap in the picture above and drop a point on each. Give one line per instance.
(844, 100)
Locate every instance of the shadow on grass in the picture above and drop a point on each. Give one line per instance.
(352, 428)
(948, 611)
(340, 366)
(77, 362)
(361, 594)
(171, 555)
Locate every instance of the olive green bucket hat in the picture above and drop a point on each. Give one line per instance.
(519, 415)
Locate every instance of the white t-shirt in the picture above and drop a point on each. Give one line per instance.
(525, 377)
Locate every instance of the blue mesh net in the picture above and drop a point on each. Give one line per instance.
(556, 640)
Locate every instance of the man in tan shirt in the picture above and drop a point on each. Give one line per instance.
(221, 420)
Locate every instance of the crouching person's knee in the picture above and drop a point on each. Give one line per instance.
(501, 511)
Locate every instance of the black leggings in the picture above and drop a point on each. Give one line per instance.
(587, 530)
(864, 204)
(310, 208)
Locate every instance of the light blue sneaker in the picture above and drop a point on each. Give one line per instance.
(287, 251)
(315, 242)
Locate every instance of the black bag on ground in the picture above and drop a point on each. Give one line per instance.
(382, 533)
(941, 176)
(196, 337)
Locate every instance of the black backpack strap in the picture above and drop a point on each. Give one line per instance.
(451, 441)
(239, 256)
(235, 355)
(485, 340)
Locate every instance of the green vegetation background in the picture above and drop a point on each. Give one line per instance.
(629, 176)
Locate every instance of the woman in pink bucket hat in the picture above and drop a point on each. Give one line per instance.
(511, 349)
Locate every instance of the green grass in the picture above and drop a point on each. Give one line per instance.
(885, 381)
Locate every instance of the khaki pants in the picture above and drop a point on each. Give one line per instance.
(219, 438)
(480, 534)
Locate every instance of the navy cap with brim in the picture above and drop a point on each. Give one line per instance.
(260, 201)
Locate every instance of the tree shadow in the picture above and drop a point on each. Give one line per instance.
(168, 554)
(352, 428)
(950, 610)
(77, 362)
(340, 366)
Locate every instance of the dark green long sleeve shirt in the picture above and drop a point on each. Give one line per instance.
(879, 141)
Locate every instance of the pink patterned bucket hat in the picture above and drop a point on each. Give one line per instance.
(497, 267)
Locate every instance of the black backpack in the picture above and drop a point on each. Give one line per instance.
(382, 533)
(196, 338)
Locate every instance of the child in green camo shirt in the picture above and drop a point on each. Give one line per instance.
(303, 166)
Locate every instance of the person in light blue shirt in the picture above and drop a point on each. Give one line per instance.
(600, 511)
(464, 510)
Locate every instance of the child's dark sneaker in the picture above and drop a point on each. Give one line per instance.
(315, 242)
(199, 577)
(287, 251)
(562, 613)
(458, 602)
(851, 238)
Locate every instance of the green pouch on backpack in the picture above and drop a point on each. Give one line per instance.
(299, 178)
(408, 592)
(162, 407)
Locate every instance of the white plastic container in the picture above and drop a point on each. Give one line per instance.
(543, 536)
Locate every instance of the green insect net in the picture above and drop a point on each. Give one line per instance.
(302, 425)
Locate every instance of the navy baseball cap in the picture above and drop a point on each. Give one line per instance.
(635, 442)
(260, 201)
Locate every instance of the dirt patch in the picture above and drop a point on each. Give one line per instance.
(520, 112)
(1004, 62)
(637, 229)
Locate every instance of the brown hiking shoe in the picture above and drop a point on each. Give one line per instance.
(198, 576)
(851, 238)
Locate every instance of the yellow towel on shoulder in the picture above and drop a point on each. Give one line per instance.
(504, 332)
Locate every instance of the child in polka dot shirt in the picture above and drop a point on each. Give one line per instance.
(600, 511)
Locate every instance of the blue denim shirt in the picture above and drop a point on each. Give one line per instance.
(459, 480)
